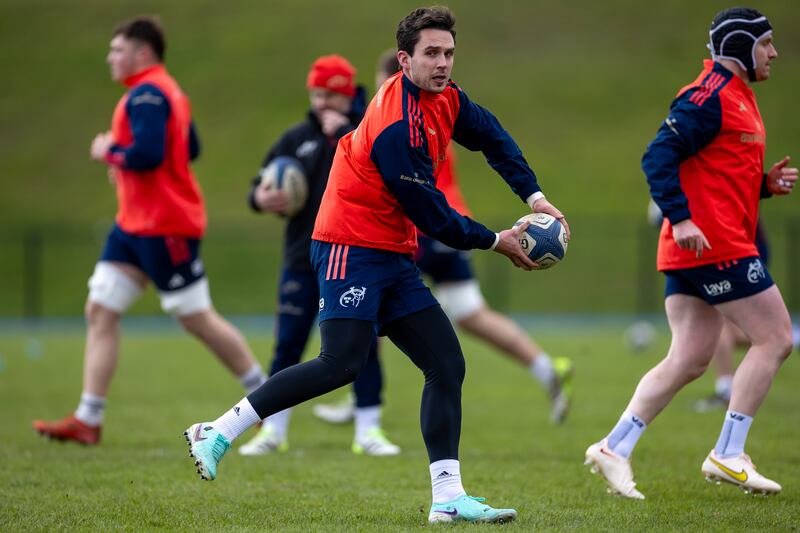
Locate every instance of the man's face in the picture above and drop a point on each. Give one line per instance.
(323, 99)
(122, 57)
(765, 53)
(430, 66)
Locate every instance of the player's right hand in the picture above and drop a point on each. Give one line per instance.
(509, 246)
(543, 206)
(689, 237)
(271, 200)
(330, 121)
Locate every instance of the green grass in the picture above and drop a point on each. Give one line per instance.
(141, 478)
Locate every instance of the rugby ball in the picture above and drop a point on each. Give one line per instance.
(286, 173)
(545, 239)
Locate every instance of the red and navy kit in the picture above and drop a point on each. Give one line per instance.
(447, 182)
(382, 184)
(172, 263)
(367, 284)
(706, 163)
(441, 262)
(154, 143)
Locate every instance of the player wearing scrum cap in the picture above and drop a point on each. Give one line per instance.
(705, 169)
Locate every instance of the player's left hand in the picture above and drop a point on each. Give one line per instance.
(100, 145)
(508, 245)
(543, 206)
(331, 121)
(780, 178)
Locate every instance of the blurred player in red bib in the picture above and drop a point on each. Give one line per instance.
(706, 173)
(159, 226)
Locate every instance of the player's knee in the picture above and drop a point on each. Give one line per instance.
(688, 365)
(112, 289)
(187, 301)
(694, 370)
(196, 324)
(345, 347)
(784, 343)
(99, 316)
(460, 300)
(449, 368)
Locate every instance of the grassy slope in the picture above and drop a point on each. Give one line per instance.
(582, 87)
(141, 479)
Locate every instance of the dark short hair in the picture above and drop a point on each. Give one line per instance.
(388, 63)
(146, 30)
(435, 17)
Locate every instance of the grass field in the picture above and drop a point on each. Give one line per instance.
(141, 478)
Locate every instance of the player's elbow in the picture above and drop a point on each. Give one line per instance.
(145, 159)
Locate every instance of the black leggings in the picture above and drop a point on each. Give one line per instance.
(426, 337)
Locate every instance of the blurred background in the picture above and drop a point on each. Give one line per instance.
(581, 85)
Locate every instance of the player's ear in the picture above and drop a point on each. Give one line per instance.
(404, 58)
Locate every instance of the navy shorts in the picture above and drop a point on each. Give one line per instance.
(442, 263)
(172, 263)
(367, 284)
(720, 282)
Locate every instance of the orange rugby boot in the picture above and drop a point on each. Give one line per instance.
(69, 428)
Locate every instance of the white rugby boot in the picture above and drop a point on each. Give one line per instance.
(615, 468)
(266, 441)
(739, 471)
(374, 442)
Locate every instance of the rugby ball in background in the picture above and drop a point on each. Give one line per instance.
(286, 174)
(545, 240)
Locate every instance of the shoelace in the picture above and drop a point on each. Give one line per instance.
(219, 448)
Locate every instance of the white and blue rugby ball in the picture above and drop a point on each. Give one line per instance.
(545, 240)
(286, 173)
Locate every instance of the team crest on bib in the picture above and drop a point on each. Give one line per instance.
(352, 297)
(755, 271)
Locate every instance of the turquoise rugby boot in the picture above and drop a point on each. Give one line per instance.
(469, 509)
(207, 446)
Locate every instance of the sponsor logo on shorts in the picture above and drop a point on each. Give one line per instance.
(352, 297)
(175, 281)
(755, 271)
(719, 288)
(197, 267)
(321, 304)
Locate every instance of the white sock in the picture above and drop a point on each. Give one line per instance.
(723, 386)
(280, 422)
(253, 378)
(91, 409)
(733, 435)
(446, 480)
(542, 370)
(625, 434)
(237, 420)
(367, 418)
